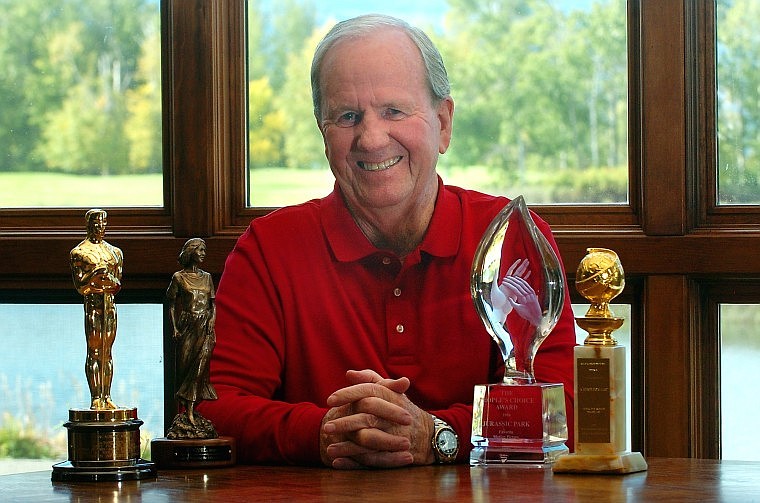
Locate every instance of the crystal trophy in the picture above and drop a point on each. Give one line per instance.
(600, 419)
(518, 289)
(104, 439)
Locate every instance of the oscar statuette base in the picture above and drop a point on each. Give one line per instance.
(193, 453)
(104, 445)
(626, 462)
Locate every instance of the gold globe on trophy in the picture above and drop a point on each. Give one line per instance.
(600, 278)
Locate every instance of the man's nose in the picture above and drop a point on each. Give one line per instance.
(372, 133)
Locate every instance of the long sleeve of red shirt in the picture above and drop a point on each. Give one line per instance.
(304, 296)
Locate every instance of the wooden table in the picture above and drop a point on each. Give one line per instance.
(667, 480)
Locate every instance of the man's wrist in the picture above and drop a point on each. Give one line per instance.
(444, 442)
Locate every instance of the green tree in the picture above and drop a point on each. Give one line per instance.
(266, 131)
(23, 30)
(304, 147)
(70, 66)
(279, 111)
(537, 88)
(257, 65)
(143, 102)
(738, 102)
(292, 23)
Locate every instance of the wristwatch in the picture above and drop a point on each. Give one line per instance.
(445, 441)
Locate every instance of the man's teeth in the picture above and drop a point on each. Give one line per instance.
(381, 165)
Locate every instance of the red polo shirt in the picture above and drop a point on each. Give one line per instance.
(305, 296)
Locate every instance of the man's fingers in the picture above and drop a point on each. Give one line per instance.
(371, 398)
(400, 385)
(368, 440)
(375, 460)
(361, 421)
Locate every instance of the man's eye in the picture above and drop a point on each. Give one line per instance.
(394, 113)
(348, 119)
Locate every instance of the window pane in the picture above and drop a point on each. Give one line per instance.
(540, 90)
(739, 369)
(738, 124)
(42, 377)
(81, 98)
(623, 337)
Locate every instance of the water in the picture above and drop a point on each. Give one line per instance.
(42, 365)
(740, 408)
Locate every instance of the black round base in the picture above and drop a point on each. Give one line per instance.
(67, 472)
(193, 453)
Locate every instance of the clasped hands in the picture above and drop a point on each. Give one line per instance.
(372, 423)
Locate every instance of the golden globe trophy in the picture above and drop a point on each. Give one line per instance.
(104, 440)
(600, 419)
(518, 289)
(192, 441)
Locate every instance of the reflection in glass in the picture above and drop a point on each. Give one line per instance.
(42, 376)
(81, 98)
(739, 368)
(738, 121)
(541, 105)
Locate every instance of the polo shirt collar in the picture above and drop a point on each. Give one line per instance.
(348, 243)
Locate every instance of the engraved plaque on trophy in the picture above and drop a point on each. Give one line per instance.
(192, 441)
(600, 380)
(518, 289)
(104, 440)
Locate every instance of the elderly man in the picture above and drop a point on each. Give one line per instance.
(346, 334)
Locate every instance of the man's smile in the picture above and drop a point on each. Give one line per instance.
(367, 166)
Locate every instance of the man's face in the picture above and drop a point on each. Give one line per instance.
(382, 132)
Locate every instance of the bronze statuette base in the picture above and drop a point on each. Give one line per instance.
(193, 453)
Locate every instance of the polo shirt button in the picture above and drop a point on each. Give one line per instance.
(397, 292)
(400, 328)
(386, 260)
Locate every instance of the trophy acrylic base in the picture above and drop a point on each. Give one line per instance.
(104, 445)
(627, 462)
(193, 453)
(515, 424)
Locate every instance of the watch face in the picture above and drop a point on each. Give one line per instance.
(447, 442)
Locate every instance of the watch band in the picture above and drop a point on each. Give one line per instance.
(444, 434)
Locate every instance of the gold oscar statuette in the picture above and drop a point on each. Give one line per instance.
(104, 439)
(600, 375)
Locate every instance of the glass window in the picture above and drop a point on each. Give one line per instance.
(739, 370)
(42, 377)
(738, 123)
(81, 98)
(540, 91)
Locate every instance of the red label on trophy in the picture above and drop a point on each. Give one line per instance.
(513, 412)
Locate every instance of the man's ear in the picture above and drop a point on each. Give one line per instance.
(446, 121)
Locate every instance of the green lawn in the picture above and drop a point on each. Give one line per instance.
(269, 187)
(55, 189)
(273, 187)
